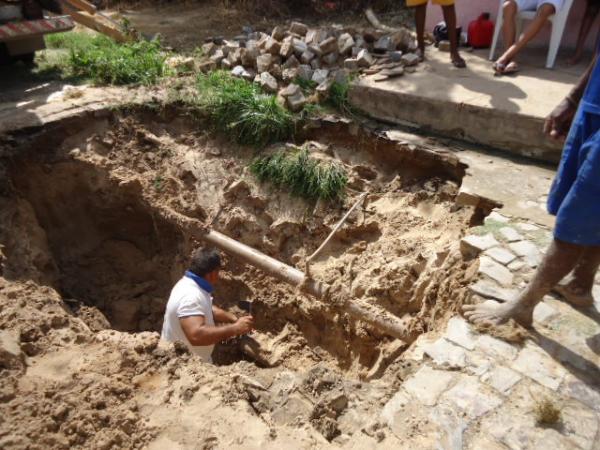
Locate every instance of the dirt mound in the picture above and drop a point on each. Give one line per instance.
(88, 259)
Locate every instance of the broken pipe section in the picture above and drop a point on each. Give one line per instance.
(378, 318)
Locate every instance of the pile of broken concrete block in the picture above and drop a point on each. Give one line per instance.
(319, 56)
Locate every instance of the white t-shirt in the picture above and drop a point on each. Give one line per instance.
(187, 299)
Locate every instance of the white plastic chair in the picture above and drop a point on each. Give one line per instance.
(559, 20)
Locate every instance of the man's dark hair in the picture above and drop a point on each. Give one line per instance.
(205, 261)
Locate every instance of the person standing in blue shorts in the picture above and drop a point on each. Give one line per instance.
(575, 201)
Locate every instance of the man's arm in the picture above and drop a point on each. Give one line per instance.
(222, 316)
(558, 123)
(199, 333)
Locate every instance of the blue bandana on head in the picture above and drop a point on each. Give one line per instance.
(200, 281)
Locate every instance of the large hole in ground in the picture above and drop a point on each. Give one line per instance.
(76, 221)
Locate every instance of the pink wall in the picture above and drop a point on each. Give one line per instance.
(468, 10)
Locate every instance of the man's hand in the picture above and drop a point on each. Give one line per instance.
(558, 123)
(244, 325)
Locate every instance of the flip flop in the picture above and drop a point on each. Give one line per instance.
(511, 67)
(573, 299)
(459, 63)
(499, 68)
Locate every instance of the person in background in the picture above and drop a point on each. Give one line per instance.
(190, 315)
(575, 201)
(507, 63)
(589, 17)
(450, 19)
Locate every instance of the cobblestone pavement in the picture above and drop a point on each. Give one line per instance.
(474, 391)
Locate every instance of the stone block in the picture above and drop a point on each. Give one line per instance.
(501, 378)
(351, 64)
(427, 384)
(291, 62)
(315, 64)
(489, 289)
(539, 366)
(528, 251)
(396, 56)
(264, 62)
(289, 90)
(278, 33)
(446, 355)
(287, 48)
(500, 255)
(444, 46)
(299, 46)
(323, 88)
(495, 217)
(331, 59)
(298, 28)
(268, 82)
(459, 332)
(328, 45)
(296, 102)
(272, 46)
(496, 348)
(290, 74)
(240, 71)
(365, 59)
(410, 59)
(383, 45)
(217, 56)
(209, 49)
(473, 245)
(305, 72)
(495, 271)
(510, 234)
(472, 397)
(307, 57)
(320, 75)
(345, 43)
(544, 313)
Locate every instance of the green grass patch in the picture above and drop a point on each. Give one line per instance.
(302, 175)
(103, 61)
(240, 109)
(338, 98)
(307, 86)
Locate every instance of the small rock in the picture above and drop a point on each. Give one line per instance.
(444, 46)
(331, 59)
(272, 46)
(328, 45)
(217, 56)
(383, 45)
(296, 102)
(487, 289)
(320, 75)
(409, 59)
(345, 43)
(495, 271)
(291, 62)
(351, 64)
(340, 76)
(298, 28)
(395, 56)
(291, 89)
(500, 255)
(472, 245)
(510, 234)
(209, 48)
(365, 59)
(389, 73)
(299, 46)
(305, 72)
(264, 62)
(287, 48)
(289, 75)
(239, 71)
(356, 51)
(278, 33)
(268, 82)
(306, 57)
(496, 217)
(315, 64)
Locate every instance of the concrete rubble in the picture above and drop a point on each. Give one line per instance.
(312, 54)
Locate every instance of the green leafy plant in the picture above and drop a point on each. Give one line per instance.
(306, 85)
(104, 61)
(301, 174)
(241, 109)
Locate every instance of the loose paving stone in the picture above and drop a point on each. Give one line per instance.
(410, 59)
(489, 289)
(501, 378)
(427, 384)
(472, 245)
(264, 62)
(472, 397)
(364, 59)
(446, 354)
(576, 389)
(496, 348)
(328, 45)
(515, 266)
(395, 404)
(298, 28)
(495, 271)
(459, 332)
(268, 82)
(528, 251)
(544, 313)
(580, 424)
(320, 75)
(539, 366)
(500, 255)
(478, 364)
(510, 234)
(351, 64)
(527, 227)
(495, 217)
(305, 72)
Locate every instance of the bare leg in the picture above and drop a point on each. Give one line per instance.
(509, 25)
(559, 260)
(589, 17)
(545, 11)
(450, 19)
(420, 16)
(578, 291)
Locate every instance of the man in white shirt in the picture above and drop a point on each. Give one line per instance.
(190, 315)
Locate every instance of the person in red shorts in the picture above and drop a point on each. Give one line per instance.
(450, 19)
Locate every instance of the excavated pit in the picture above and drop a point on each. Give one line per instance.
(81, 214)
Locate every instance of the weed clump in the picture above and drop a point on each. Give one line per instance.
(338, 98)
(104, 61)
(547, 412)
(240, 108)
(302, 175)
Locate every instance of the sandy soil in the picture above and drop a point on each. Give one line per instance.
(87, 262)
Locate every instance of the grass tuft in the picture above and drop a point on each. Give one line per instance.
(302, 175)
(547, 412)
(338, 98)
(241, 109)
(103, 61)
